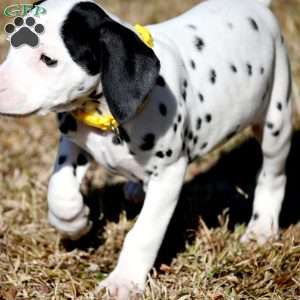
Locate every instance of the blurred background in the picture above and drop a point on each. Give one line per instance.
(36, 264)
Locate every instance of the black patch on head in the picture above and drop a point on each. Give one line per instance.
(62, 159)
(162, 109)
(199, 123)
(82, 160)
(160, 154)
(233, 68)
(249, 69)
(123, 134)
(169, 153)
(199, 43)
(193, 64)
(148, 142)
(212, 76)
(208, 118)
(68, 124)
(160, 81)
(129, 69)
(253, 24)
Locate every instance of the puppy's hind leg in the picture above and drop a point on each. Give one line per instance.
(276, 139)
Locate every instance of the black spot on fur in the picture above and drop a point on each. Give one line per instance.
(185, 83)
(192, 26)
(195, 140)
(184, 95)
(162, 109)
(75, 170)
(203, 146)
(253, 24)
(179, 118)
(212, 76)
(199, 43)
(201, 97)
(199, 123)
(132, 153)
(149, 173)
(160, 81)
(279, 106)
(148, 142)
(169, 153)
(262, 70)
(183, 146)
(175, 127)
(61, 160)
(230, 25)
(191, 135)
(249, 69)
(82, 160)
(123, 134)
(270, 125)
(68, 124)
(193, 64)
(276, 133)
(208, 118)
(160, 154)
(255, 216)
(233, 68)
(116, 140)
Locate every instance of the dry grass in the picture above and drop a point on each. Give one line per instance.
(36, 264)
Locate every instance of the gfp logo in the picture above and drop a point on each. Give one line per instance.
(21, 10)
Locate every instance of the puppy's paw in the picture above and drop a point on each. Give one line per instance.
(119, 287)
(261, 229)
(133, 192)
(74, 228)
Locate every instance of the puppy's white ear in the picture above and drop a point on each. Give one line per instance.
(129, 70)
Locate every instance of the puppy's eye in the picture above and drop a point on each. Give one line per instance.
(48, 61)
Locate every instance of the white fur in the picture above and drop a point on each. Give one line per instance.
(233, 101)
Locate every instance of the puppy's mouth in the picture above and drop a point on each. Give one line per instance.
(20, 115)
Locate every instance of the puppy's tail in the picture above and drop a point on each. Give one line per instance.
(265, 2)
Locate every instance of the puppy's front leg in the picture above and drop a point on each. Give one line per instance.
(67, 211)
(144, 240)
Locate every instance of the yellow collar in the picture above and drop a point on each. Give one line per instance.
(108, 122)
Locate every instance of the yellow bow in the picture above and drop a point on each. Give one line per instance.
(108, 122)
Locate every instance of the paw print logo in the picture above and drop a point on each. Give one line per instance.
(24, 32)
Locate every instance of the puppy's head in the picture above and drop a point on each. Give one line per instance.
(81, 49)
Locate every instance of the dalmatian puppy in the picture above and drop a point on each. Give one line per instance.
(213, 71)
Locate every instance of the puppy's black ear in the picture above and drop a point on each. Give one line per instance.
(129, 70)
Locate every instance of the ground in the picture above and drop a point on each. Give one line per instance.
(201, 257)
